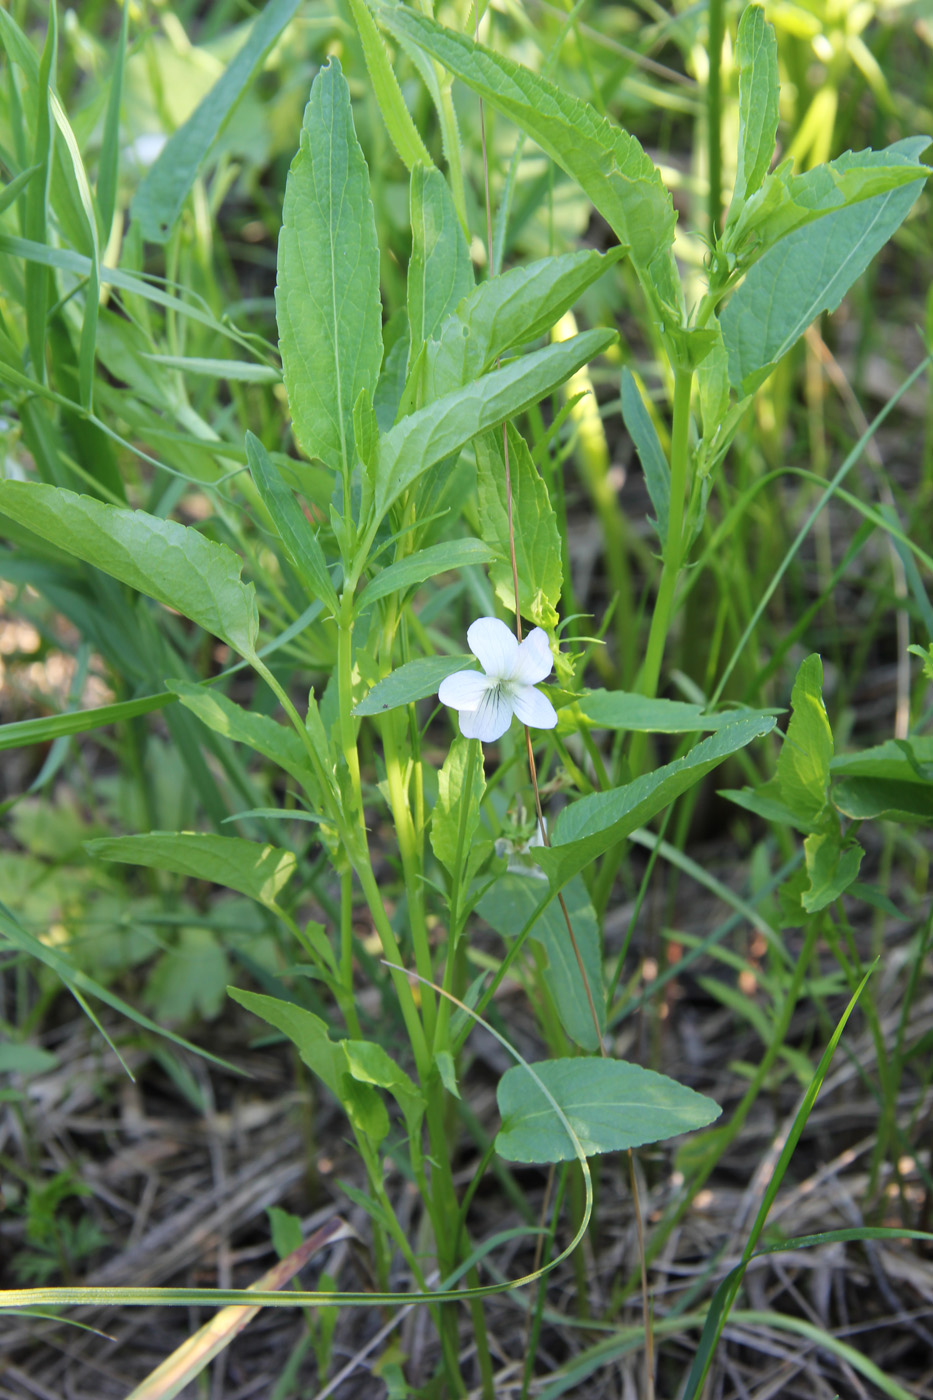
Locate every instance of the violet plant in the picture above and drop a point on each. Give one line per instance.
(416, 426)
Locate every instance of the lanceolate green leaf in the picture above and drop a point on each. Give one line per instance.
(608, 164)
(537, 539)
(507, 311)
(415, 568)
(759, 89)
(440, 272)
(625, 709)
(810, 271)
(444, 427)
(164, 189)
(591, 826)
(787, 202)
(642, 431)
(307, 1032)
(264, 735)
(509, 904)
(260, 872)
(327, 288)
(172, 563)
(414, 681)
(294, 529)
(611, 1106)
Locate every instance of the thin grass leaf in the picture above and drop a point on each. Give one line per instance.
(37, 199)
(190, 1359)
(92, 290)
(727, 1291)
(402, 131)
(45, 730)
(161, 195)
(108, 165)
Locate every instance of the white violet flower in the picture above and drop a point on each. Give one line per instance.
(486, 703)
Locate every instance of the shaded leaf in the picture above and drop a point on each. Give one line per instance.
(654, 464)
(610, 1105)
(260, 872)
(261, 733)
(507, 906)
(591, 826)
(307, 1032)
(440, 271)
(811, 269)
(172, 563)
(537, 538)
(293, 526)
(512, 309)
(444, 427)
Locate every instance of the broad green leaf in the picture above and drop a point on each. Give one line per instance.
(787, 202)
(368, 1063)
(327, 288)
(810, 271)
(588, 828)
(654, 464)
(624, 709)
(608, 164)
(832, 865)
(294, 528)
(887, 761)
(402, 130)
(444, 427)
(424, 564)
(506, 311)
(759, 90)
(164, 189)
(802, 773)
(172, 563)
(414, 681)
(48, 728)
(610, 1105)
(537, 538)
(440, 271)
(260, 872)
(508, 905)
(261, 733)
(307, 1032)
(453, 824)
(865, 799)
(767, 806)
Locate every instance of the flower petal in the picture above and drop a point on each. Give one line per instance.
(494, 646)
(533, 707)
(533, 661)
(463, 690)
(490, 721)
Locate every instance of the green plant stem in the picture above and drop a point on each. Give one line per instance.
(348, 1003)
(411, 853)
(673, 547)
(714, 115)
